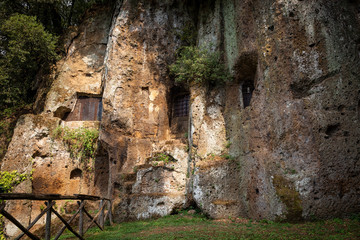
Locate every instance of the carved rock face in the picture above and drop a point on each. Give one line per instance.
(300, 65)
(279, 142)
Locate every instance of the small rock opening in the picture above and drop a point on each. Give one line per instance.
(62, 112)
(87, 108)
(247, 91)
(76, 173)
(179, 110)
(331, 130)
(245, 75)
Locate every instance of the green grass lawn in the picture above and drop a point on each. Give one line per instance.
(195, 226)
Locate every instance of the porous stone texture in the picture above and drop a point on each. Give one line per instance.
(137, 109)
(297, 143)
(34, 149)
(80, 71)
(292, 154)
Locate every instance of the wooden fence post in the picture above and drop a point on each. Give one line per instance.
(101, 216)
(50, 202)
(48, 222)
(110, 213)
(81, 218)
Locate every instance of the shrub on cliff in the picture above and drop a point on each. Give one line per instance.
(25, 47)
(8, 180)
(80, 142)
(199, 65)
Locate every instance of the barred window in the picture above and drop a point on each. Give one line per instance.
(86, 109)
(181, 106)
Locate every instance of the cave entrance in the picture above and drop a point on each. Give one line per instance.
(245, 75)
(179, 111)
(87, 108)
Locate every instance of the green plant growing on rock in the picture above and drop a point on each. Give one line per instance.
(228, 157)
(188, 34)
(8, 180)
(80, 142)
(289, 196)
(199, 65)
(228, 144)
(290, 171)
(25, 48)
(2, 237)
(162, 157)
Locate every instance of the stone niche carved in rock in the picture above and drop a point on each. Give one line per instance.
(179, 115)
(76, 173)
(87, 108)
(245, 74)
(247, 91)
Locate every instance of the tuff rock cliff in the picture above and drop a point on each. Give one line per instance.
(292, 153)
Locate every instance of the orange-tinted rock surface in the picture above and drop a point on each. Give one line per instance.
(292, 152)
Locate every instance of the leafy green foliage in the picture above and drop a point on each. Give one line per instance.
(199, 65)
(187, 35)
(228, 144)
(28, 43)
(80, 142)
(55, 15)
(8, 180)
(27, 48)
(228, 157)
(163, 157)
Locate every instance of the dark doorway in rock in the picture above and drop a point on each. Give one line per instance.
(87, 108)
(179, 112)
(245, 75)
(76, 173)
(181, 106)
(62, 112)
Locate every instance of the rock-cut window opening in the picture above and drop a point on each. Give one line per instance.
(86, 109)
(247, 91)
(76, 173)
(245, 74)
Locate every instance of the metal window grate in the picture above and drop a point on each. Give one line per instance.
(181, 106)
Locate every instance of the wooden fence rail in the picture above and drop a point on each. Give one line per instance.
(99, 219)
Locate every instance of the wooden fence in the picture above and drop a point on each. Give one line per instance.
(99, 219)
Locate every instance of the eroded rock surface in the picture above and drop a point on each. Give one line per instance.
(279, 142)
(33, 147)
(137, 109)
(297, 141)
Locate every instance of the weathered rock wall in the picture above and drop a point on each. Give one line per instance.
(137, 109)
(296, 144)
(33, 147)
(291, 154)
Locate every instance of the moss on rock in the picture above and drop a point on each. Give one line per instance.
(290, 197)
